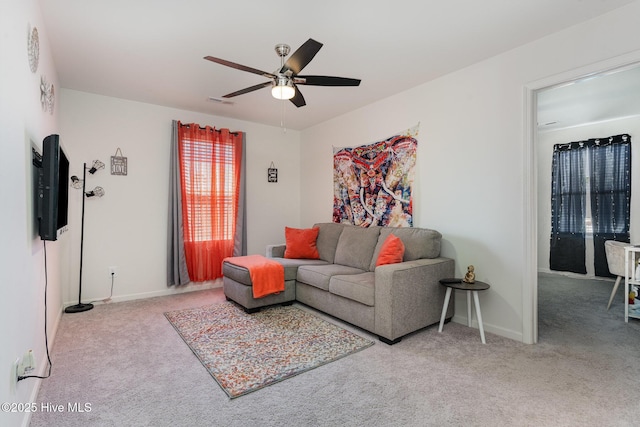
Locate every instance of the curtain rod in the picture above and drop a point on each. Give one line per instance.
(624, 138)
(212, 128)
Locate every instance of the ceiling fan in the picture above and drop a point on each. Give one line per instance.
(286, 79)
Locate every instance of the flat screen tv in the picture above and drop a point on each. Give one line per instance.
(53, 188)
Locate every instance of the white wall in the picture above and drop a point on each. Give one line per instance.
(127, 227)
(23, 123)
(469, 184)
(471, 155)
(544, 150)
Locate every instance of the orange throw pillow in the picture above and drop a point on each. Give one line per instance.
(391, 252)
(301, 243)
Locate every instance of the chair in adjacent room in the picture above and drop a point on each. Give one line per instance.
(615, 259)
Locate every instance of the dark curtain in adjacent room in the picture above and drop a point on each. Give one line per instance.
(568, 203)
(610, 172)
(594, 173)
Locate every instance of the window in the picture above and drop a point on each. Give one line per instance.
(210, 199)
(590, 194)
(210, 163)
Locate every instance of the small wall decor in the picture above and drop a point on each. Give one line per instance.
(118, 163)
(272, 173)
(47, 95)
(33, 48)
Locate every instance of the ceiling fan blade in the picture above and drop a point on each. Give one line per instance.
(326, 81)
(298, 99)
(247, 90)
(301, 57)
(240, 67)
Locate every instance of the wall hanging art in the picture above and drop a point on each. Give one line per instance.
(118, 163)
(372, 183)
(272, 173)
(33, 49)
(47, 95)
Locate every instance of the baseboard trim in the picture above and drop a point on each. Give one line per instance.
(506, 333)
(575, 275)
(174, 290)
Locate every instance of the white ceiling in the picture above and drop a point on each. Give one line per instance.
(152, 50)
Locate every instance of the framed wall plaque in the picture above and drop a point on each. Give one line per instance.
(118, 163)
(272, 173)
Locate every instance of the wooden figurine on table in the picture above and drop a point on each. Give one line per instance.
(470, 277)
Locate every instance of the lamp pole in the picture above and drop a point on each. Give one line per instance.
(80, 307)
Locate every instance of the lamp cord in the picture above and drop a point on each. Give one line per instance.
(46, 337)
(110, 294)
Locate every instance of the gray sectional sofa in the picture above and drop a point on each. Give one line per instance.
(389, 300)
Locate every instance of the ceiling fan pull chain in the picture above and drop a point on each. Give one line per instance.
(284, 129)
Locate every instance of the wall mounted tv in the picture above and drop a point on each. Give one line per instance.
(53, 189)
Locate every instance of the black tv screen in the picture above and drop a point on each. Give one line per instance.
(53, 189)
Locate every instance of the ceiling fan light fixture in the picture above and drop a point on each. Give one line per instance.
(283, 89)
(285, 80)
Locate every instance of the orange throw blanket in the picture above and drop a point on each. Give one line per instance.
(267, 275)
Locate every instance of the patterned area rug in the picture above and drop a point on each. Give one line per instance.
(246, 352)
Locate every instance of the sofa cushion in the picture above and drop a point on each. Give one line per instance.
(319, 275)
(356, 245)
(391, 251)
(356, 287)
(418, 243)
(328, 239)
(301, 243)
(291, 266)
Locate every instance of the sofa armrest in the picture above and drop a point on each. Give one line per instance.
(408, 295)
(276, 251)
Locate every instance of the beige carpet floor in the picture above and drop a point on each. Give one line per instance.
(130, 365)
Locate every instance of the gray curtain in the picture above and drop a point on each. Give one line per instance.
(240, 239)
(176, 262)
(177, 273)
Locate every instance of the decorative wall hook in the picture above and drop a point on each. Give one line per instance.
(272, 173)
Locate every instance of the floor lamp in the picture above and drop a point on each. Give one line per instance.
(96, 192)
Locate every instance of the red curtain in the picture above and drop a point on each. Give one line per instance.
(210, 161)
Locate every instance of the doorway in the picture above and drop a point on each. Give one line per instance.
(532, 200)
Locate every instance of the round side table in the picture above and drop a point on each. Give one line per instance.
(471, 288)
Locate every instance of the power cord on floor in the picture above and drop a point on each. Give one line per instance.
(46, 337)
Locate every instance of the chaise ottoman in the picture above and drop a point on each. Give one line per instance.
(239, 288)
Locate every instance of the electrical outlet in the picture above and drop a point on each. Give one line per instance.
(27, 365)
(113, 271)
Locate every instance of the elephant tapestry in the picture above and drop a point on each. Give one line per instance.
(372, 183)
